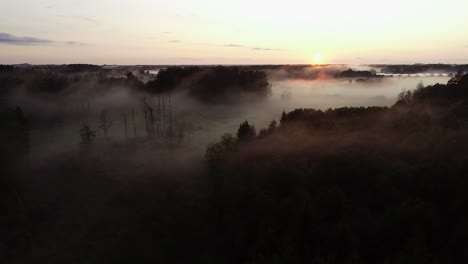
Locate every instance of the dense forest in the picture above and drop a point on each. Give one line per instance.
(350, 185)
(419, 68)
(344, 185)
(212, 84)
(207, 84)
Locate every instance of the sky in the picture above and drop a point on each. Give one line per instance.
(233, 32)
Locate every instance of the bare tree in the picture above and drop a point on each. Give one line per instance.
(151, 120)
(125, 123)
(145, 109)
(159, 115)
(134, 123)
(149, 117)
(104, 123)
(163, 116)
(170, 117)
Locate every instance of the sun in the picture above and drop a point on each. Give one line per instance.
(317, 58)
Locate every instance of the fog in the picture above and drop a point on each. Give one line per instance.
(213, 121)
(199, 176)
(201, 124)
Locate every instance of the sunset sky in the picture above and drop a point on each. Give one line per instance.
(232, 32)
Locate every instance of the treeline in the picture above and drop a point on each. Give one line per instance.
(349, 185)
(210, 84)
(207, 84)
(40, 82)
(421, 68)
(350, 73)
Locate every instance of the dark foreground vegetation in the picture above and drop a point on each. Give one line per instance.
(348, 185)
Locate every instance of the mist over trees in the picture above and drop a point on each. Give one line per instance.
(350, 73)
(212, 83)
(351, 185)
(421, 68)
(345, 185)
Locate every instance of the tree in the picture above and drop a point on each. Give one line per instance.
(104, 123)
(283, 116)
(216, 152)
(455, 79)
(272, 126)
(87, 133)
(262, 133)
(149, 117)
(405, 97)
(130, 75)
(246, 132)
(420, 85)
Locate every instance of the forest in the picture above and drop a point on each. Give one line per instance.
(351, 184)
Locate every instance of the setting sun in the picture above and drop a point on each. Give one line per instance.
(317, 58)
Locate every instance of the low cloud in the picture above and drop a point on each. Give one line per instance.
(82, 18)
(6, 38)
(233, 45)
(75, 43)
(249, 47)
(15, 40)
(174, 41)
(264, 49)
(194, 59)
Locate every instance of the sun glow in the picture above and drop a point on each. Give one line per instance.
(317, 58)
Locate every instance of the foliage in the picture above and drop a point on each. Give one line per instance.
(346, 185)
(87, 133)
(326, 185)
(246, 132)
(419, 68)
(211, 83)
(105, 123)
(350, 73)
(215, 152)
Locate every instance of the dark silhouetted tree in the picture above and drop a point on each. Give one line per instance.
(134, 123)
(456, 79)
(105, 123)
(218, 151)
(272, 126)
(246, 132)
(130, 75)
(147, 113)
(87, 133)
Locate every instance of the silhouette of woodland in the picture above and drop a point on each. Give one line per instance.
(344, 185)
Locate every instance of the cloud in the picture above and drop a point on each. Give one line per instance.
(195, 59)
(166, 32)
(82, 18)
(249, 47)
(6, 38)
(75, 43)
(265, 49)
(174, 41)
(14, 40)
(233, 45)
